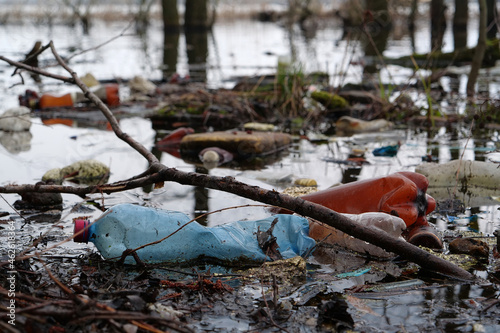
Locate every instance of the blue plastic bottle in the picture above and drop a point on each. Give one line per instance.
(128, 226)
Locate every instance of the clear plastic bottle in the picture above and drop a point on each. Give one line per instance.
(392, 225)
(128, 226)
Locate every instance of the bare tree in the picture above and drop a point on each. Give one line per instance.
(81, 10)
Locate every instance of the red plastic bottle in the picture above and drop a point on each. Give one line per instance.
(402, 194)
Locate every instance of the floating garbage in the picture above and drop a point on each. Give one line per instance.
(252, 148)
(392, 225)
(308, 182)
(462, 173)
(402, 194)
(261, 127)
(240, 144)
(126, 227)
(141, 85)
(387, 151)
(214, 156)
(86, 172)
(108, 93)
(16, 120)
(348, 125)
(172, 142)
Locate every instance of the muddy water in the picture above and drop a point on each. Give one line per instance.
(245, 48)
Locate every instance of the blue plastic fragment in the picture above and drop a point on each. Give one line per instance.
(389, 151)
(357, 272)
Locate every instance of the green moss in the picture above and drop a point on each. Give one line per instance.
(328, 100)
(166, 111)
(194, 110)
(53, 175)
(89, 172)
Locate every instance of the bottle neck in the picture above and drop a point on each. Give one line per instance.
(81, 231)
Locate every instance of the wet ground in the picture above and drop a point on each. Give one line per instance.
(336, 288)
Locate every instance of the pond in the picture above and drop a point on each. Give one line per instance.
(237, 48)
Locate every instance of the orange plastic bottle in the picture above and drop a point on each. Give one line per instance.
(51, 101)
(402, 194)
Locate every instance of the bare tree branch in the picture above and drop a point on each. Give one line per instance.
(37, 70)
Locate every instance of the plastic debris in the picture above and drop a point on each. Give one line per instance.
(393, 286)
(357, 272)
(348, 125)
(240, 144)
(388, 151)
(259, 127)
(392, 225)
(461, 173)
(140, 85)
(108, 93)
(402, 194)
(214, 156)
(307, 182)
(125, 227)
(171, 143)
(89, 80)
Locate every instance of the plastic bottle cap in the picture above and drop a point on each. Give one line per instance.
(80, 225)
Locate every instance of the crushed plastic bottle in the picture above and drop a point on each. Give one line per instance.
(128, 226)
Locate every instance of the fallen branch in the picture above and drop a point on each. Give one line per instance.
(158, 173)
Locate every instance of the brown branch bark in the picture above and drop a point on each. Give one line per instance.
(37, 70)
(160, 172)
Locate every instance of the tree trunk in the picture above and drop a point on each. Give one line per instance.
(477, 60)
(460, 20)
(438, 24)
(171, 32)
(196, 15)
(170, 52)
(170, 16)
(411, 22)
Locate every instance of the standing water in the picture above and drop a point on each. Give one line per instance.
(112, 50)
